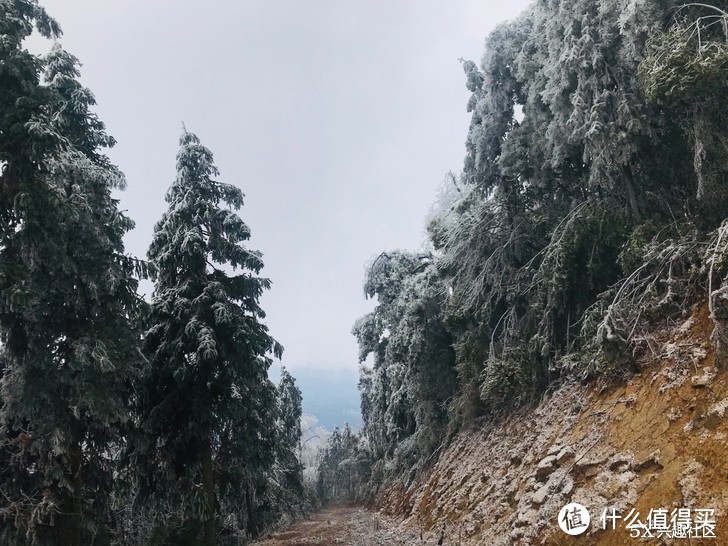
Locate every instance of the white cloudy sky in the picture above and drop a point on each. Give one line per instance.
(338, 119)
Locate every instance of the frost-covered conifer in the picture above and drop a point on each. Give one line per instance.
(288, 471)
(595, 162)
(404, 395)
(209, 408)
(290, 411)
(564, 158)
(68, 299)
(344, 466)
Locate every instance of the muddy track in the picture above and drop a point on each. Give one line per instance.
(351, 526)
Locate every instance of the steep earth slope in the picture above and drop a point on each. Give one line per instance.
(657, 440)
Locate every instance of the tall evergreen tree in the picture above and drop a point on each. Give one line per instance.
(684, 73)
(595, 166)
(405, 394)
(345, 465)
(290, 411)
(209, 404)
(26, 132)
(287, 477)
(68, 298)
(550, 197)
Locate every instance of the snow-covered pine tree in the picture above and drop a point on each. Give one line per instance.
(209, 405)
(26, 135)
(287, 477)
(344, 467)
(564, 159)
(72, 117)
(290, 410)
(684, 72)
(68, 355)
(404, 396)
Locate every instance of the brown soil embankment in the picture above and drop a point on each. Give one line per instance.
(658, 441)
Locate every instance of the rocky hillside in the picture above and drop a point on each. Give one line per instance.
(654, 440)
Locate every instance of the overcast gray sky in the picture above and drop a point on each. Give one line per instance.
(338, 119)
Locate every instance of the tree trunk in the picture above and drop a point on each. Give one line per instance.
(634, 207)
(208, 486)
(68, 524)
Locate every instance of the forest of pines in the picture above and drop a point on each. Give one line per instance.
(124, 422)
(590, 209)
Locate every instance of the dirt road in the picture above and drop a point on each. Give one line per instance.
(351, 526)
